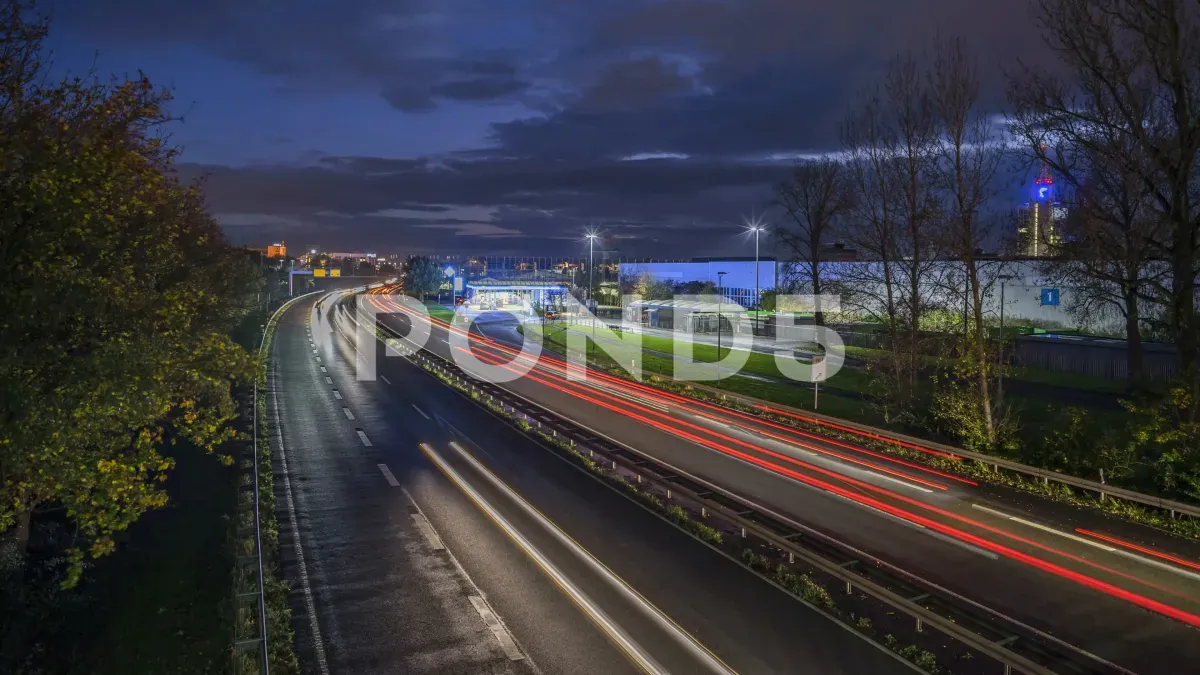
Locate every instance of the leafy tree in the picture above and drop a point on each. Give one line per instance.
(422, 276)
(119, 293)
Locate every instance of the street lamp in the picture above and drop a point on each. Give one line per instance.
(720, 297)
(591, 238)
(753, 226)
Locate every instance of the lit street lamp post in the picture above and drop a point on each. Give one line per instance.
(720, 297)
(591, 237)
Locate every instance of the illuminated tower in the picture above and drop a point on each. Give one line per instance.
(1037, 234)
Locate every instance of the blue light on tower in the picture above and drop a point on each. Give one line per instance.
(1043, 190)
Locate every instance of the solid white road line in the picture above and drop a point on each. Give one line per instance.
(362, 436)
(337, 394)
(385, 380)
(349, 415)
(1091, 542)
(685, 640)
(435, 542)
(502, 635)
(387, 475)
(462, 571)
(420, 411)
(302, 569)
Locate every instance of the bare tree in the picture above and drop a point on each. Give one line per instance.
(912, 167)
(1134, 75)
(813, 201)
(1106, 255)
(968, 158)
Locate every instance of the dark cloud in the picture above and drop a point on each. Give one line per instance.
(480, 89)
(631, 84)
(722, 86)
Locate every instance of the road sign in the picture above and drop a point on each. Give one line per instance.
(319, 272)
(1050, 297)
(458, 284)
(335, 272)
(819, 368)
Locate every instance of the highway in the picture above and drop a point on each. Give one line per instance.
(1132, 608)
(424, 535)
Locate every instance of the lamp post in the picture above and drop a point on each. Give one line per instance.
(720, 297)
(753, 226)
(1000, 363)
(591, 237)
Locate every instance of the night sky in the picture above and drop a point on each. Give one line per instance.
(499, 126)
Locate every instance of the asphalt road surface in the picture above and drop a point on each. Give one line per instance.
(423, 535)
(1128, 607)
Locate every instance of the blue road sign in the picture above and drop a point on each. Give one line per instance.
(1050, 297)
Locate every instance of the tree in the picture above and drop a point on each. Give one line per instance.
(813, 200)
(968, 158)
(1132, 72)
(422, 276)
(119, 293)
(1106, 257)
(890, 151)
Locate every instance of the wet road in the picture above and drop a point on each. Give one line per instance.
(430, 537)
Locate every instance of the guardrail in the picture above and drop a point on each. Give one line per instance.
(1013, 645)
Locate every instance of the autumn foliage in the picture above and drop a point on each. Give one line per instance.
(118, 293)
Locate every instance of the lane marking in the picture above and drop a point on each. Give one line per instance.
(420, 411)
(328, 380)
(435, 542)
(362, 436)
(502, 635)
(631, 649)
(387, 474)
(349, 415)
(337, 394)
(385, 380)
(1093, 543)
(301, 567)
(682, 637)
(1044, 528)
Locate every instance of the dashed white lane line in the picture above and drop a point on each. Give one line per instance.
(337, 394)
(420, 411)
(502, 635)
(435, 542)
(387, 474)
(349, 415)
(1090, 542)
(385, 380)
(362, 436)
(328, 380)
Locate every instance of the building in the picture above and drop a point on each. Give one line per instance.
(739, 282)
(1039, 220)
(278, 250)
